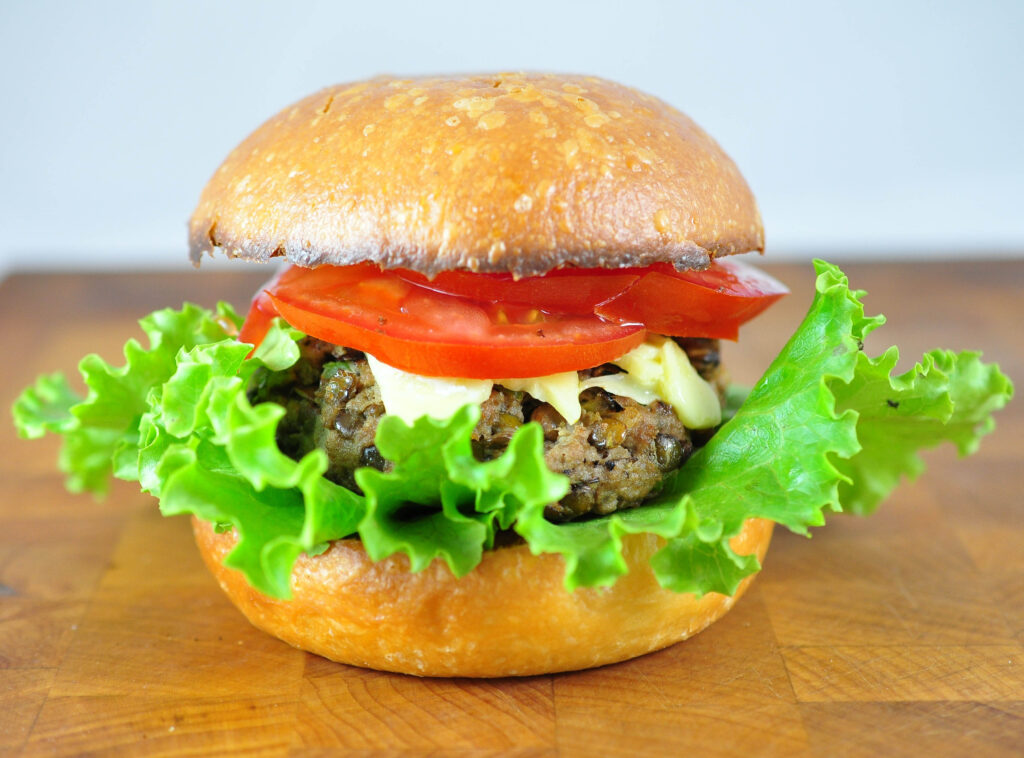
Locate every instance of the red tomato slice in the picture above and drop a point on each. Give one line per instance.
(560, 291)
(261, 313)
(491, 326)
(425, 332)
(710, 303)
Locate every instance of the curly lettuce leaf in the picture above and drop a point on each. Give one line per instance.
(592, 549)
(211, 453)
(434, 463)
(402, 513)
(945, 397)
(46, 407)
(814, 435)
(102, 429)
(198, 481)
(825, 429)
(772, 459)
(176, 418)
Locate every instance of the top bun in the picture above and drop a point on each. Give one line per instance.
(521, 173)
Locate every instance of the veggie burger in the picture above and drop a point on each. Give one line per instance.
(477, 424)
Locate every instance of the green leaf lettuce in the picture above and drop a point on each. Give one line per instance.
(827, 428)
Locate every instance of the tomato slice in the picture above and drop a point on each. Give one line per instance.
(261, 313)
(709, 303)
(485, 326)
(429, 333)
(559, 291)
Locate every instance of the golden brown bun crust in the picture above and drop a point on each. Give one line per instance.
(498, 172)
(511, 616)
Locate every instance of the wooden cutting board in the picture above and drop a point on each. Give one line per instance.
(899, 634)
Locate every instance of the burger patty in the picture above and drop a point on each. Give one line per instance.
(616, 455)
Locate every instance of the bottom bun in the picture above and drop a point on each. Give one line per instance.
(511, 616)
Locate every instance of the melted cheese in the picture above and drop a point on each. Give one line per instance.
(621, 384)
(656, 370)
(562, 391)
(410, 396)
(662, 368)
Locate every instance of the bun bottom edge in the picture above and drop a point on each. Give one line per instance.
(511, 616)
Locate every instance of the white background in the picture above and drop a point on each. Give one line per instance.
(865, 128)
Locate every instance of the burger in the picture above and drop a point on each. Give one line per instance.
(477, 423)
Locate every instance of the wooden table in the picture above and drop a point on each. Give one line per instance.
(895, 635)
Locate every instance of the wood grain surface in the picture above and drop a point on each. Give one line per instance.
(900, 634)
